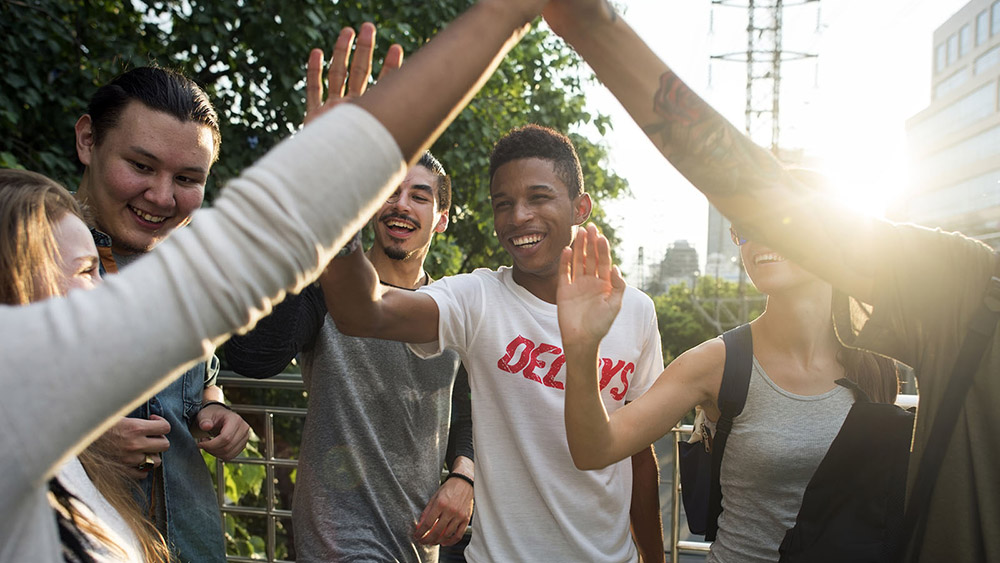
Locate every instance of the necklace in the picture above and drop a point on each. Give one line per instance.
(423, 281)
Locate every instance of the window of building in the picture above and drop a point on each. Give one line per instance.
(987, 60)
(953, 48)
(941, 58)
(995, 18)
(982, 27)
(964, 40)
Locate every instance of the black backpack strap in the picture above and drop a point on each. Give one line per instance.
(970, 355)
(732, 397)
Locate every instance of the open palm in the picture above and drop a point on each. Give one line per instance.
(590, 289)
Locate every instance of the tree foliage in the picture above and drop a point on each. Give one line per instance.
(686, 317)
(250, 58)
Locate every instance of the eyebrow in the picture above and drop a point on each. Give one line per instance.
(155, 158)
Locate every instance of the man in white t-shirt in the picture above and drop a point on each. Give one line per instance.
(532, 504)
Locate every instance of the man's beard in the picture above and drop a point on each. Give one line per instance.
(396, 253)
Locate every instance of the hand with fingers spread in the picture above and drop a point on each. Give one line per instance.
(590, 290)
(342, 85)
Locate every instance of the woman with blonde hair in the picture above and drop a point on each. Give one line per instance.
(46, 250)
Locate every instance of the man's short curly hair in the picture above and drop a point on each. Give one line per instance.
(535, 141)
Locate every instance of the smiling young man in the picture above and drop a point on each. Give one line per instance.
(369, 479)
(147, 144)
(532, 504)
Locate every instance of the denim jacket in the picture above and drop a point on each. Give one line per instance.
(179, 495)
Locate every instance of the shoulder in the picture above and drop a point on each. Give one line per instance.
(635, 301)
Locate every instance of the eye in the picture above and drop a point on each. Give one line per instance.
(422, 198)
(140, 166)
(501, 204)
(189, 180)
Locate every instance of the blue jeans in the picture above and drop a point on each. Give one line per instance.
(179, 494)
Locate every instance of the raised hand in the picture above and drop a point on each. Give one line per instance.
(590, 289)
(341, 84)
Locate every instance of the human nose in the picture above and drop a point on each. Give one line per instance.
(161, 192)
(522, 213)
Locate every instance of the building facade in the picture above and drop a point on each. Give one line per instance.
(954, 143)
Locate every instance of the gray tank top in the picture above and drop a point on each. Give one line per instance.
(775, 447)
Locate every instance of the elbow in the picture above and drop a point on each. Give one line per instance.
(587, 462)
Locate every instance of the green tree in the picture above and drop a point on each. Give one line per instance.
(686, 318)
(250, 58)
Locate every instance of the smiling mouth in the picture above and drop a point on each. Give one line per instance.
(146, 216)
(398, 226)
(527, 240)
(768, 258)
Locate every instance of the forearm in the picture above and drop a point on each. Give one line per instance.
(744, 181)
(446, 73)
(460, 433)
(213, 393)
(588, 426)
(352, 294)
(647, 523)
(464, 466)
(267, 349)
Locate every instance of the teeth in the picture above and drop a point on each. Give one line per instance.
(147, 216)
(526, 240)
(400, 224)
(769, 257)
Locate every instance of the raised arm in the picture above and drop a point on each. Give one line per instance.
(361, 306)
(452, 68)
(744, 181)
(588, 291)
(219, 275)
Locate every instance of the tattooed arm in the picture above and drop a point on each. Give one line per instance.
(744, 181)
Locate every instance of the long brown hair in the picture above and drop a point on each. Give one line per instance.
(30, 205)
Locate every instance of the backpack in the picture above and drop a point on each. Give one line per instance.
(700, 462)
(852, 508)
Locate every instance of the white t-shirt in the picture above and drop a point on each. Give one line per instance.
(532, 504)
(73, 476)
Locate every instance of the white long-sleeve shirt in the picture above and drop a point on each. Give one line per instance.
(69, 365)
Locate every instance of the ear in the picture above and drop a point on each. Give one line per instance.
(582, 206)
(85, 141)
(442, 224)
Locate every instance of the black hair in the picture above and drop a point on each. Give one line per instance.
(535, 141)
(428, 161)
(157, 88)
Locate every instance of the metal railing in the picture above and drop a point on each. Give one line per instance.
(679, 546)
(270, 460)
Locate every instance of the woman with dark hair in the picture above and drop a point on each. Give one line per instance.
(46, 251)
(793, 407)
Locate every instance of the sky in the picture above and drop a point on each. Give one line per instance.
(847, 107)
